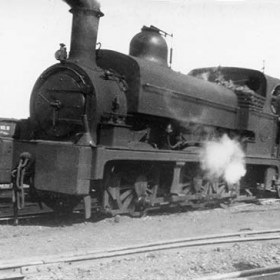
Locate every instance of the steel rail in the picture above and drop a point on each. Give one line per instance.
(26, 265)
(24, 216)
(35, 214)
(272, 272)
(31, 215)
(13, 276)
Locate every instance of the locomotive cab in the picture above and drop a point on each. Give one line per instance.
(275, 101)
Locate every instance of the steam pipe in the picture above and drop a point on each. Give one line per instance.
(86, 14)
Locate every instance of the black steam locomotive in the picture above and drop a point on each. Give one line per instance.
(127, 130)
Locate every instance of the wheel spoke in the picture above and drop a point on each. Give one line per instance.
(129, 190)
(127, 200)
(121, 199)
(221, 189)
(125, 194)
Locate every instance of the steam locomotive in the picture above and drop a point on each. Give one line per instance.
(127, 130)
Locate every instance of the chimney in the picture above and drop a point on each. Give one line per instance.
(86, 14)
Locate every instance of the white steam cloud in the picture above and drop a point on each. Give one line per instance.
(223, 158)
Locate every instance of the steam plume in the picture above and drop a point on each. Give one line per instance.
(223, 158)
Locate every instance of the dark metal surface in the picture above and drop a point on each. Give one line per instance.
(159, 91)
(149, 45)
(101, 112)
(85, 23)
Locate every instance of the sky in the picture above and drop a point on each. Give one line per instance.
(240, 33)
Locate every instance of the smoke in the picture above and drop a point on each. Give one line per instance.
(223, 158)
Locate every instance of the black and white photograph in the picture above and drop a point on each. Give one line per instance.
(139, 139)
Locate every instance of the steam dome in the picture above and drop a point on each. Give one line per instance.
(150, 45)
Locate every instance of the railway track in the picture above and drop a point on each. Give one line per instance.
(33, 211)
(269, 273)
(23, 267)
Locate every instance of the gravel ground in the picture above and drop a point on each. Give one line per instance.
(47, 238)
(172, 264)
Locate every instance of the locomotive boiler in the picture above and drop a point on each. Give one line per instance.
(127, 130)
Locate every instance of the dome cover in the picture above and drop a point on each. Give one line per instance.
(149, 45)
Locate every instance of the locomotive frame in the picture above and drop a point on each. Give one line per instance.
(128, 130)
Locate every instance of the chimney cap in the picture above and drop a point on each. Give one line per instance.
(87, 5)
